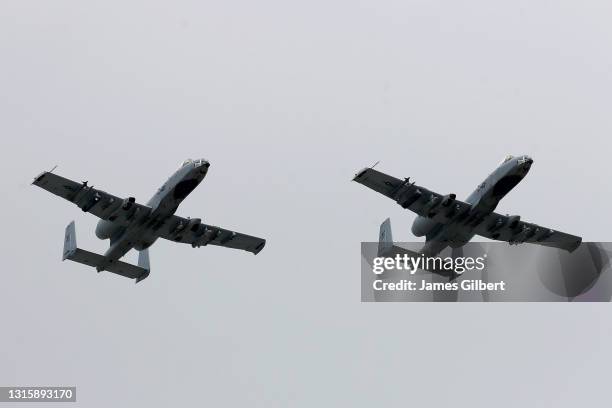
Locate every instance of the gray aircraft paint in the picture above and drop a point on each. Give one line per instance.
(129, 225)
(446, 221)
(164, 203)
(287, 100)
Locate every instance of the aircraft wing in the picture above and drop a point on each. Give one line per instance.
(442, 209)
(446, 209)
(97, 202)
(511, 229)
(194, 232)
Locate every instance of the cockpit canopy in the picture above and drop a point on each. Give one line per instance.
(196, 162)
(506, 159)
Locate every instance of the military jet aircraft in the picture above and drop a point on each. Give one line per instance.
(448, 222)
(128, 224)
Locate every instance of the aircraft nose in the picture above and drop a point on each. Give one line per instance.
(202, 163)
(524, 164)
(203, 166)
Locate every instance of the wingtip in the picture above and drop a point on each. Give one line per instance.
(39, 177)
(259, 247)
(575, 245)
(360, 173)
(43, 174)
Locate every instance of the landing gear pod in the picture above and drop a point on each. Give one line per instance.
(513, 221)
(447, 200)
(127, 203)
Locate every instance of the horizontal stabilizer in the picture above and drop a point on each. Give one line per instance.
(71, 252)
(387, 249)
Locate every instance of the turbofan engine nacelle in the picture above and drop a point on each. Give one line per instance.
(106, 229)
(423, 226)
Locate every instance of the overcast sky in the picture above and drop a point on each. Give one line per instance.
(288, 100)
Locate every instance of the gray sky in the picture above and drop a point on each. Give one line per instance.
(288, 100)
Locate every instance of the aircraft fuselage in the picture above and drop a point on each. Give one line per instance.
(164, 203)
(483, 200)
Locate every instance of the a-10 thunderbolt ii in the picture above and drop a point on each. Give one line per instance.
(128, 224)
(448, 222)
